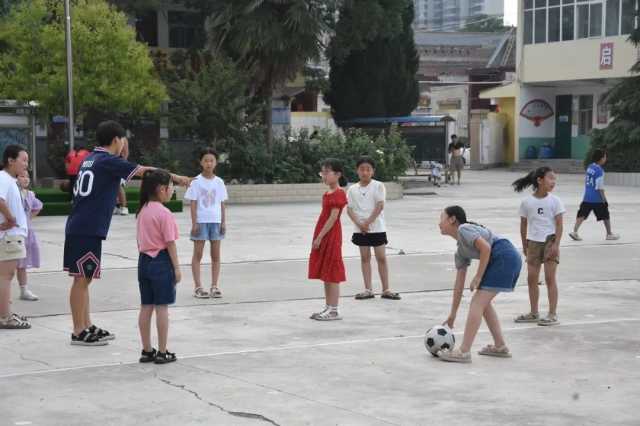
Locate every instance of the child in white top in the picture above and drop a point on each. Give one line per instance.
(208, 195)
(366, 209)
(541, 224)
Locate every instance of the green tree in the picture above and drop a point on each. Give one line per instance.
(132, 6)
(485, 24)
(621, 139)
(373, 60)
(209, 98)
(113, 73)
(5, 6)
(271, 39)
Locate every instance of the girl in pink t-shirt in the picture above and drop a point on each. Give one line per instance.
(158, 267)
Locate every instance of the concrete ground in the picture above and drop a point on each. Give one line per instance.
(254, 357)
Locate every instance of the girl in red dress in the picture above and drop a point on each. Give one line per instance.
(325, 262)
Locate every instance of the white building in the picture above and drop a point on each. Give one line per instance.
(452, 15)
(570, 53)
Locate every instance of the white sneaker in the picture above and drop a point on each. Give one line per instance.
(613, 237)
(26, 294)
(116, 211)
(574, 236)
(124, 211)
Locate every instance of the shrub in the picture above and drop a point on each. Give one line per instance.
(296, 159)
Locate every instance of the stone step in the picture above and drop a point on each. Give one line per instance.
(560, 165)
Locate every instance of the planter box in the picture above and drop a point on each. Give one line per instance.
(622, 179)
(58, 203)
(289, 193)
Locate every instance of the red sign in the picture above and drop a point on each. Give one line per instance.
(537, 111)
(606, 56)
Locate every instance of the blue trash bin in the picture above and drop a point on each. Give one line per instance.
(531, 153)
(546, 151)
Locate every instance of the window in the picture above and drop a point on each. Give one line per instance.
(585, 114)
(595, 20)
(628, 16)
(554, 24)
(185, 30)
(568, 14)
(147, 28)
(548, 21)
(528, 27)
(583, 21)
(612, 26)
(541, 26)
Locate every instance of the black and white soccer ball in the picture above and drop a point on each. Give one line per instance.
(439, 337)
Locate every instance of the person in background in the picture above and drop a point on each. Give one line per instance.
(32, 207)
(594, 198)
(72, 163)
(450, 148)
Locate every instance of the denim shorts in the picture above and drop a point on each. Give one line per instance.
(156, 279)
(208, 232)
(503, 269)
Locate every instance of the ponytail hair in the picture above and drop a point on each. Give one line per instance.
(335, 166)
(460, 215)
(531, 179)
(151, 180)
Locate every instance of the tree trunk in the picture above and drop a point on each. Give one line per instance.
(268, 116)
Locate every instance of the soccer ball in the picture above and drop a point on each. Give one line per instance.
(439, 337)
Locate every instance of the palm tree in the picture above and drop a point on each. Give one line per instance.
(272, 39)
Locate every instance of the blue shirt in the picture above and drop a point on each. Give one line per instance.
(95, 193)
(594, 181)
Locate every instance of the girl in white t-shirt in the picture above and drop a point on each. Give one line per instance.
(541, 230)
(208, 195)
(13, 231)
(366, 209)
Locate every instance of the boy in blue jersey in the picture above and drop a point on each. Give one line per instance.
(594, 197)
(94, 198)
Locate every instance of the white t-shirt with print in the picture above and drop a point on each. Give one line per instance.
(210, 194)
(541, 216)
(10, 193)
(362, 201)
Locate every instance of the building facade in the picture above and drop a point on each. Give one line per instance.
(452, 15)
(455, 65)
(569, 55)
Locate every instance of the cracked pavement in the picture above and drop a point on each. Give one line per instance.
(255, 358)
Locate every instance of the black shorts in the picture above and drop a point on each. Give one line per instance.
(373, 239)
(601, 210)
(82, 255)
(156, 279)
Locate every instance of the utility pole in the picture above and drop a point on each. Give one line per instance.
(67, 24)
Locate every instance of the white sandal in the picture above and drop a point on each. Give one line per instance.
(498, 352)
(454, 355)
(328, 315)
(200, 293)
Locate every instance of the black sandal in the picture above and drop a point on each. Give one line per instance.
(390, 295)
(148, 356)
(367, 294)
(165, 357)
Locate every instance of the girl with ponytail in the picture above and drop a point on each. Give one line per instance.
(541, 230)
(325, 261)
(158, 267)
(531, 179)
(498, 271)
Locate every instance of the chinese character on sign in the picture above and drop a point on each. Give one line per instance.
(606, 56)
